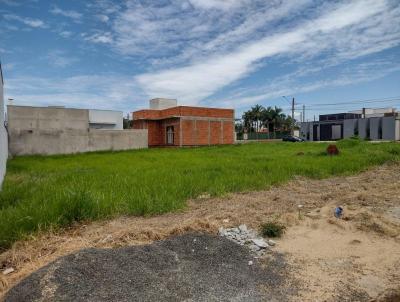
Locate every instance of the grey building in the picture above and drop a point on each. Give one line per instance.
(379, 125)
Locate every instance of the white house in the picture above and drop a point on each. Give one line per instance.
(105, 119)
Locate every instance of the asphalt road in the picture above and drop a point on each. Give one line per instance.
(191, 267)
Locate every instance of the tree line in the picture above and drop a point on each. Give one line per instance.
(259, 117)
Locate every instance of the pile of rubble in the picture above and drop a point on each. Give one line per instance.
(244, 236)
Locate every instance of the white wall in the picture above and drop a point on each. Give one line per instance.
(162, 103)
(106, 119)
(3, 134)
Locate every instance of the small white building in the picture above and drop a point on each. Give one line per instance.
(162, 103)
(105, 119)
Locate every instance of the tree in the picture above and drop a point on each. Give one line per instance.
(277, 117)
(248, 120)
(272, 118)
(257, 113)
(126, 122)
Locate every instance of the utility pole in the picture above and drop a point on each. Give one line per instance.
(292, 116)
(304, 113)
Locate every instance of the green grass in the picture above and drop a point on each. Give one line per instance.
(40, 193)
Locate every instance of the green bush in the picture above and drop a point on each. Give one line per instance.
(272, 229)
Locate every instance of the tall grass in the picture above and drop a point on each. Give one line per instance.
(55, 191)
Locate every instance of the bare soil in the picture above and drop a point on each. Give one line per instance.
(356, 258)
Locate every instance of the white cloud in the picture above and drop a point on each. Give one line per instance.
(65, 33)
(74, 15)
(36, 23)
(106, 7)
(294, 83)
(10, 2)
(59, 58)
(107, 91)
(102, 37)
(331, 31)
(103, 18)
(218, 4)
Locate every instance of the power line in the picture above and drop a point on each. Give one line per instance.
(395, 98)
(383, 102)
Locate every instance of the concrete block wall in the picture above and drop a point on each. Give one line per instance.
(47, 131)
(374, 128)
(349, 128)
(390, 128)
(76, 141)
(3, 134)
(363, 125)
(397, 131)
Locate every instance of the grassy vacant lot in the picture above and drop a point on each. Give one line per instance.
(40, 193)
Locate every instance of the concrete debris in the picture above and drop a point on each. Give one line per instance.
(243, 228)
(8, 271)
(246, 237)
(271, 242)
(260, 243)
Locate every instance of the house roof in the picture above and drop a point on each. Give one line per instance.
(180, 111)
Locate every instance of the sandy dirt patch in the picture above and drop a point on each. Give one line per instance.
(356, 258)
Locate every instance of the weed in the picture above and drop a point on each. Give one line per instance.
(272, 229)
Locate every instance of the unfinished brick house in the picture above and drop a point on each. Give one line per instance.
(172, 125)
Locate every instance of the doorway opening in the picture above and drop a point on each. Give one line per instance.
(170, 135)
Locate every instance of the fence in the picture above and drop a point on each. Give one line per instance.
(262, 135)
(46, 131)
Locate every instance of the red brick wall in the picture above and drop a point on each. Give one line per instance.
(146, 114)
(215, 136)
(189, 133)
(202, 132)
(228, 133)
(206, 112)
(183, 111)
(199, 135)
(194, 133)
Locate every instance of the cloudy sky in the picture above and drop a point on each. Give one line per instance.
(225, 53)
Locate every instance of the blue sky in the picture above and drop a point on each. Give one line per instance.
(219, 53)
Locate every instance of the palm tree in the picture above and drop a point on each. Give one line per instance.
(277, 117)
(248, 119)
(267, 118)
(257, 112)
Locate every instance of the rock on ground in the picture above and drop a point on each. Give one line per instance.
(191, 267)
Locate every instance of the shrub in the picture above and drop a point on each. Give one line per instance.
(350, 142)
(272, 229)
